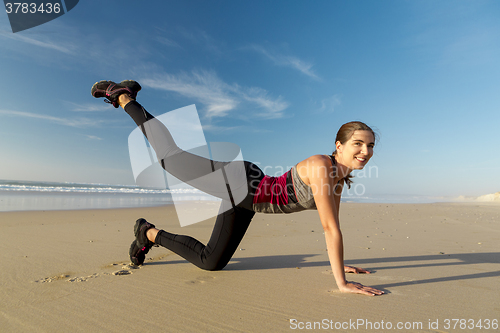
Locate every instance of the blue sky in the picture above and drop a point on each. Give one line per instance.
(277, 78)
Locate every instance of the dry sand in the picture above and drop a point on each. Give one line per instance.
(67, 271)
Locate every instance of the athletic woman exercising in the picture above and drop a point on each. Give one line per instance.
(315, 183)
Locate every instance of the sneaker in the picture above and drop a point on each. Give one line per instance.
(140, 229)
(137, 255)
(111, 91)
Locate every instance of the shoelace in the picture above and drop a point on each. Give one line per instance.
(109, 92)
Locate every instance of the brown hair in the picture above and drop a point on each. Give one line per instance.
(345, 133)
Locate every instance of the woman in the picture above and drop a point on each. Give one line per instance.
(315, 183)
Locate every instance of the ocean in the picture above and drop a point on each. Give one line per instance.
(33, 195)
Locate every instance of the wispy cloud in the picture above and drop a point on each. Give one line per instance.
(437, 39)
(93, 137)
(285, 60)
(87, 107)
(204, 40)
(218, 97)
(273, 108)
(79, 122)
(233, 129)
(329, 104)
(167, 42)
(66, 48)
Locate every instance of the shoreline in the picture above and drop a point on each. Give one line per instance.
(155, 202)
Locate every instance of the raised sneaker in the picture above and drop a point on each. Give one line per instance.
(111, 90)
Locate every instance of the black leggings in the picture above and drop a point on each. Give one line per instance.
(235, 212)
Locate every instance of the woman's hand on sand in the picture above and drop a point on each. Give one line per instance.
(358, 288)
(355, 270)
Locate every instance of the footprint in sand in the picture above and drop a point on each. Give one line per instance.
(52, 278)
(201, 279)
(158, 257)
(83, 278)
(126, 270)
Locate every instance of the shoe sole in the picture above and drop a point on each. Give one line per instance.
(133, 85)
(137, 256)
(138, 228)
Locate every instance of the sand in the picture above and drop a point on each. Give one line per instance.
(68, 271)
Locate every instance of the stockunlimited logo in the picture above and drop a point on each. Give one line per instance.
(226, 181)
(26, 15)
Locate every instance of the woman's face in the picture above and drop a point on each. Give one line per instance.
(357, 151)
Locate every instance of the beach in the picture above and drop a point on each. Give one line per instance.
(68, 270)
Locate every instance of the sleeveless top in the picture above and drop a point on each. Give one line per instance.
(284, 194)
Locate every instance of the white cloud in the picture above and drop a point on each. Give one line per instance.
(87, 107)
(286, 61)
(80, 122)
(273, 107)
(166, 41)
(329, 104)
(233, 129)
(204, 40)
(66, 48)
(218, 97)
(93, 137)
(437, 37)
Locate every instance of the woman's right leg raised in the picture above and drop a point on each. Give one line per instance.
(192, 169)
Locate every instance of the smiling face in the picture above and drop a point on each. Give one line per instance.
(357, 151)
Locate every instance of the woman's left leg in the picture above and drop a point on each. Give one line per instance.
(230, 227)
